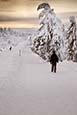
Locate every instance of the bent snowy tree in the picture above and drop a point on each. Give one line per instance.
(50, 35)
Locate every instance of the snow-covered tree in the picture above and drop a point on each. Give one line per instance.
(50, 34)
(71, 39)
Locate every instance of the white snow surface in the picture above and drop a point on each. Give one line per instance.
(27, 87)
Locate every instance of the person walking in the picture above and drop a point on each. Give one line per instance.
(53, 61)
(10, 48)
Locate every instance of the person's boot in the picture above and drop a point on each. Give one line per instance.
(52, 69)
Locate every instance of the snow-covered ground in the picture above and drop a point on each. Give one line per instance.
(27, 87)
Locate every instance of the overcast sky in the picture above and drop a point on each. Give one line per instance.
(23, 13)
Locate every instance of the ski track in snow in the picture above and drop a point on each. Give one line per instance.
(27, 87)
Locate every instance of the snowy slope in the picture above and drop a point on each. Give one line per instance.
(27, 87)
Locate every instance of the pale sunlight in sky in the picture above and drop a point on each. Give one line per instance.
(23, 13)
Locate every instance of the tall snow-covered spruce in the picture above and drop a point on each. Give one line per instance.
(50, 35)
(71, 39)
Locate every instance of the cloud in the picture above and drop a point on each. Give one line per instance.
(66, 15)
(5, 0)
(18, 19)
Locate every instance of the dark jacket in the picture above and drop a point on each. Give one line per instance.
(54, 58)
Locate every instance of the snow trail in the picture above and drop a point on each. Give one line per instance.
(27, 87)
